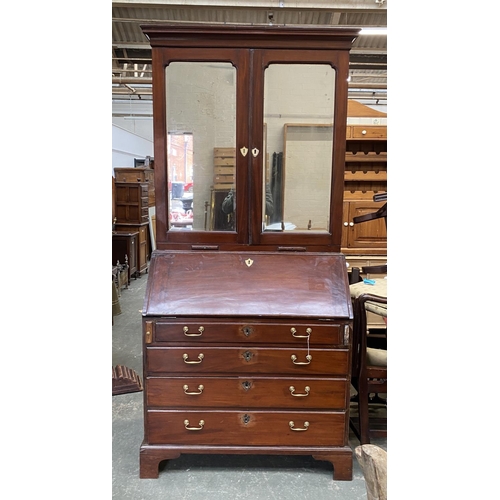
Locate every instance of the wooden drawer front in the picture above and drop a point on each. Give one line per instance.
(207, 360)
(368, 132)
(130, 176)
(245, 428)
(247, 392)
(251, 331)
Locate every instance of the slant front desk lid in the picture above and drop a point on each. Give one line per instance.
(199, 283)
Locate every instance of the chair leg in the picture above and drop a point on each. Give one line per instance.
(364, 423)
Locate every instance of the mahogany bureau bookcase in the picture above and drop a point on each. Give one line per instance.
(247, 326)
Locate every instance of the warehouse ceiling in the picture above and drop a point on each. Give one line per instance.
(131, 52)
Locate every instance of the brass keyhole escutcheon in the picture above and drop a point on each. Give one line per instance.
(246, 418)
(249, 262)
(246, 385)
(247, 355)
(247, 330)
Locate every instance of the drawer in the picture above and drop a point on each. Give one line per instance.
(129, 174)
(368, 132)
(247, 392)
(208, 360)
(247, 331)
(236, 428)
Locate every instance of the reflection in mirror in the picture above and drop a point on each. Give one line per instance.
(298, 145)
(201, 128)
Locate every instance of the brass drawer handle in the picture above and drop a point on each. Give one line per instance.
(186, 356)
(201, 424)
(295, 362)
(186, 389)
(294, 331)
(298, 429)
(186, 330)
(292, 391)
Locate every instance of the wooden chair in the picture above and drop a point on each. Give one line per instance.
(369, 370)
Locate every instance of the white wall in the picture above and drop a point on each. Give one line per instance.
(131, 138)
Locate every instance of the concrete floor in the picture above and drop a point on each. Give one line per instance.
(203, 477)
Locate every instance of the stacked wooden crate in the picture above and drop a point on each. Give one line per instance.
(224, 168)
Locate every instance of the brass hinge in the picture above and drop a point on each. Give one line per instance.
(346, 334)
(148, 332)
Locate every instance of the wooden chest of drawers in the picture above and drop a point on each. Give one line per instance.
(246, 353)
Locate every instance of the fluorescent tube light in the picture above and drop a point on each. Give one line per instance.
(373, 31)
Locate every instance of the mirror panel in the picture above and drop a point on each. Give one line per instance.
(201, 123)
(298, 145)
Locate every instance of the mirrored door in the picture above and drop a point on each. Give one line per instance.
(201, 145)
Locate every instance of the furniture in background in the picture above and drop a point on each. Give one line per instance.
(131, 202)
(124, 250)
(247, 330)
(125, 380)
(365, 176)
(132, 215)
(373, 462)
(138, 174)
(121, 275)
(115, 302)
(370, 267)
(223, 182)
(142, 244)
(369, 365)
(365, 179)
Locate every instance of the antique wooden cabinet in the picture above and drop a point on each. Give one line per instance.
(142, 246)
(132, 215)
(138, 174)
(131, 202)
(365, 175)
(247, 325)
(124, 250)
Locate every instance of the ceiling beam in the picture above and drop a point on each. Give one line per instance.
(343, 5)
